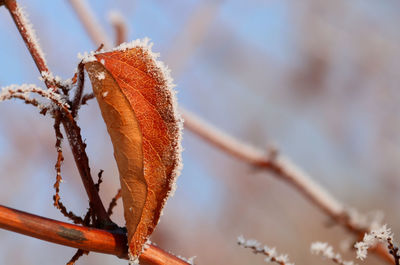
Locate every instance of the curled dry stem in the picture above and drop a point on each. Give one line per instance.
(113, 202)
(56, 198)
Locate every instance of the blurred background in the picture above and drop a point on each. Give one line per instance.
(318, 79)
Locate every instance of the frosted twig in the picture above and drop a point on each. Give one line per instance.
(28, 35)
(380, 235)
(70, 125)
(43, 109)
(324, 249)
(60, 159)
(282, 167)
(24, 89)
(56, 198)
(90, 23)
(49, 78)
(272, 255)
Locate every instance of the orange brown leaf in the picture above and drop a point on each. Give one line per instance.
(135, 95)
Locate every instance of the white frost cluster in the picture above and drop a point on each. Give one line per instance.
(26, 24)
(49, 77)
(100, 75)
(26, 89)
(188, 260)
(87, 57)
(326, 250)
(272, 255)
(380, 235)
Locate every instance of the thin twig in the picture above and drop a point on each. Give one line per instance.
(60, 159)
(30, 101)
(99, 180)
(28, 36)
(76, 102)
(71, 128)
(82, 161)
(112, 242)
(87, 97)
(281, 167)
(113, 202)
(394, 251)
(56, 198)
(79, 253)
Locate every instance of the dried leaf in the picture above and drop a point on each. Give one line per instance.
(135, 95)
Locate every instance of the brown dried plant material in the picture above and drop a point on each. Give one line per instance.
(135, 95)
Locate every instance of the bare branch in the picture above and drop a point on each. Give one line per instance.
(29, 37)
(281, 167)
(71, 128)
(112, 242)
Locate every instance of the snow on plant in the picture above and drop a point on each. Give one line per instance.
(23, 91)
(382, 234)
(326, 250)
(272, 255)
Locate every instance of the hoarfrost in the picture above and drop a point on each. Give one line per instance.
(101, 76)
(26, 89)
(380, 235)
(26, 24)
(272, 255)
(163, 74)
(87, 57)
(326, 250)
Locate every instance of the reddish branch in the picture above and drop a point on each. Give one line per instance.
(22, 28)
(71, 128)
(88, 239)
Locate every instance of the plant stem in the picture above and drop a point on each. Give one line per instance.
(112, 242)
(72, 131)
(71, 128)
(283, 168)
